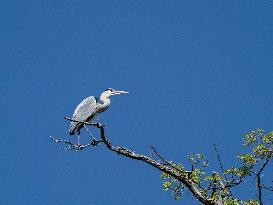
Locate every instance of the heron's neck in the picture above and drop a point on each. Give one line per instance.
(104, 105)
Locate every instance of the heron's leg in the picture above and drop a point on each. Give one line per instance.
(90, 133)
(95, 142)
(79, 135)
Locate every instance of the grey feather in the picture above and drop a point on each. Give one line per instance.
(84, 112)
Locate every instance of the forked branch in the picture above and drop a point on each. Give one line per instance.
(165, 166)
(259, 183)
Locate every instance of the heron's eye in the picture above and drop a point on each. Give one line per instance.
(110, 89)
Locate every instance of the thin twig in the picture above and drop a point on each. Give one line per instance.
(72, 146)
(168, 163)
(219, 160)
(234, 183)
(267, 188)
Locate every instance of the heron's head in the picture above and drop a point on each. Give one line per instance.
(110, 91)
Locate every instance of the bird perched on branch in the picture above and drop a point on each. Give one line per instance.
(89, 107)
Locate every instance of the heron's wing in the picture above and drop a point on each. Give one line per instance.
(84, 111)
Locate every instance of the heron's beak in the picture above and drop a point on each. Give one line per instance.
(117, 92)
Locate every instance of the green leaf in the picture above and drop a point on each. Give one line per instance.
(253, 137)
(167, 185)
(262, 151)
(248, 159)
(250, 202)
(268, 139)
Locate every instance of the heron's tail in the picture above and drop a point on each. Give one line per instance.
(73, 128)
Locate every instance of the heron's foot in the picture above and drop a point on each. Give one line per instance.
(95, 142)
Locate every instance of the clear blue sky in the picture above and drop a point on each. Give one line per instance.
(198, 72)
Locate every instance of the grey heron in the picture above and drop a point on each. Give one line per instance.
(88, 108)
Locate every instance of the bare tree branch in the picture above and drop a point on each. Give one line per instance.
(166, 167)
(267, 188)
(72, 146)
(169, 170)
